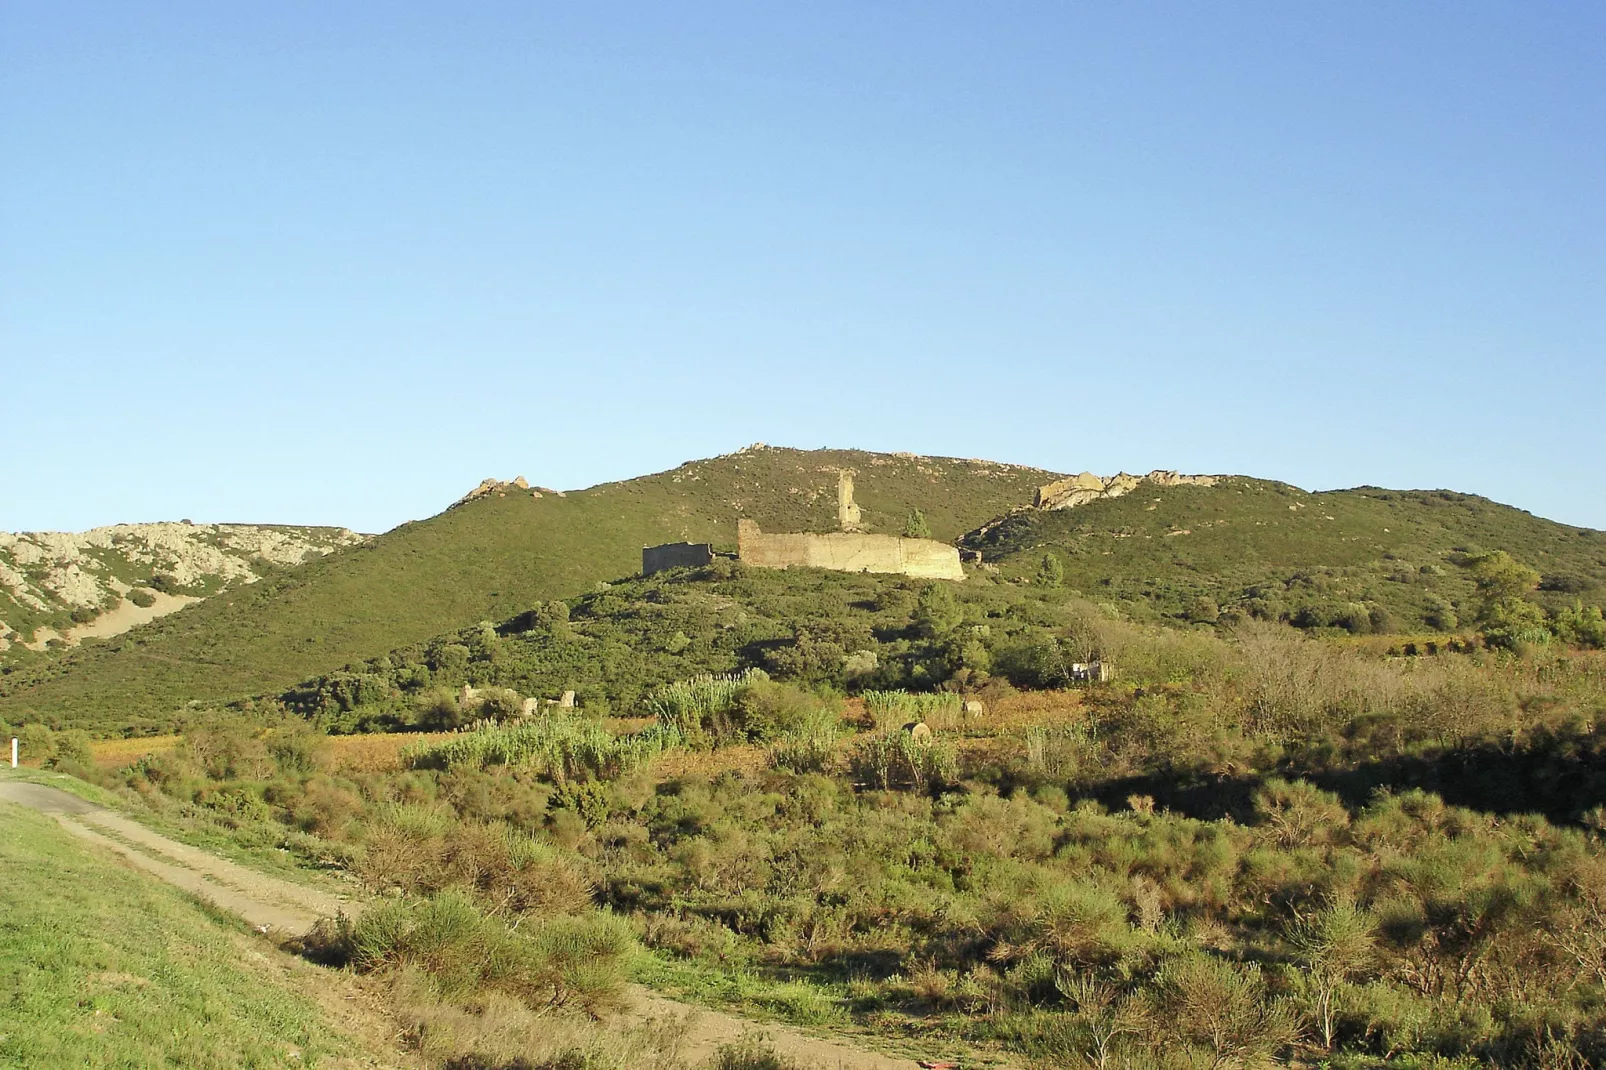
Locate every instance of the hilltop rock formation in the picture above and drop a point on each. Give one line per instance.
(488, 487)
(1087, 487)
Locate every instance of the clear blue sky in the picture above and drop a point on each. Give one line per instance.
(335, 263)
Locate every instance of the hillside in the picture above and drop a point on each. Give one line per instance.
(65, 586)
(1363, 559)
(488, 558)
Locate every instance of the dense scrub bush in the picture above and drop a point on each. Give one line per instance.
(565, 961)
(558, 747)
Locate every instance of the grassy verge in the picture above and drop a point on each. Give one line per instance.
(256, 846)
(863, 1012)
(105, 968)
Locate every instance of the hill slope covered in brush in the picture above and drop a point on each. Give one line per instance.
(486, 559)
(1362, 560)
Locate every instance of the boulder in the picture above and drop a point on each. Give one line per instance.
(918, 732)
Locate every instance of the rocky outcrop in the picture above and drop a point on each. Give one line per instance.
(489, 487)
(47, 575)
(1087, 487)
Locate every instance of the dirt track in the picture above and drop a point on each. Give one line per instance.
(282, 909)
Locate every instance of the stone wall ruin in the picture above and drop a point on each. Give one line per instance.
(848, 552)
(675, 555)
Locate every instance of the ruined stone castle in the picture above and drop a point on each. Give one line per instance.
(847, 550)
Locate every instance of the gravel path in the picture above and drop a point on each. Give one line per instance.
(282, 909)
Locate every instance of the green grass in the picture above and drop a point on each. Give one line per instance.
(484, 561)
(105, 968)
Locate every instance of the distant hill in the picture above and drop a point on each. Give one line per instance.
(59, 587)
(1353, 559)
(1345, 562)
(490, 557)
(1348, 561)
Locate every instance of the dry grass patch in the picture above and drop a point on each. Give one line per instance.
(376, 753)
(747, 759)
(116, 753)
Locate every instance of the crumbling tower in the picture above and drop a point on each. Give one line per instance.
(847, 513)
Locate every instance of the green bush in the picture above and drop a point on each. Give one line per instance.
(898, 759)
(916, 527)
(556, 962)
(698, 710)
(558, 747)
(893, 709)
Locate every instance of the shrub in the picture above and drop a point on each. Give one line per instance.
(898, 759)
(691, 708)
(1297, 813)
(437, 710)
(807, 747)
(896, 708)
(558, 747)
(1224, 1008)
(227, 750)
(750, 1054)
(1204, 610)
(36, 742)
(422, 851)
(764, 709)
(1051, 573)
(937, 612)
(71, 749)
(142, 597)
(557, 962)
(1580, 625)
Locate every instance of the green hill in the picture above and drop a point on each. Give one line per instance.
(1362, 559)
(487, 559)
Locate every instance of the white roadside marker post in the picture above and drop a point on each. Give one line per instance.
(13, 752)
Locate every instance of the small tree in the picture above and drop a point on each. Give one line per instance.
(1226, 1009)
(1051, 573)
(1334, 944)
(1103, 1013)
(916, 527)
(937, 613)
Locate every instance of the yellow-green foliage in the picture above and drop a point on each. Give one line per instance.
(552, 962)
(689, 707)
(898, 707)
(560, 747)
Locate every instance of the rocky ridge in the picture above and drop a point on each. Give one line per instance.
(1087, 487)
(63, 585)
(488, 487)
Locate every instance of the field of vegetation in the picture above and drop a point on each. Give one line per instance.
(1363, 560)
(489, 559)
(1255, 844)
(1339, 801)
